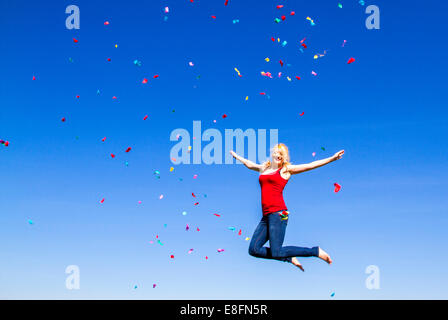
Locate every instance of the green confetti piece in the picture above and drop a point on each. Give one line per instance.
(277, 20)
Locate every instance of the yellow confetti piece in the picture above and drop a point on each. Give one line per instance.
(171, 169)
(116, 46)
(267, 60)
(278, 39)
(289, 79)
(247, 239)
(247, 98)
(316, 56)
(189, 147)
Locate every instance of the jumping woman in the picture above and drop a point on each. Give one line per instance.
(274, 176)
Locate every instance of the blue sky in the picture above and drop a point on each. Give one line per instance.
(387, 110)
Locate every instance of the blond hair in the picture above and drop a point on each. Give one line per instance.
(283, 150)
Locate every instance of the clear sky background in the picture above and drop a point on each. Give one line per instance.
(387, 110)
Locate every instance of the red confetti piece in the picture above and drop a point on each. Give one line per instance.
(280, 6)
(218, 215)
(112, 155)
(114, 97)
(145, 117)
(128, 149)
(273, 39)
(239, 232)
(302, 113)
(75, 40)
(297, 77)
(77, 97)
(283, 18)
(197, 229)
(193, 194)
(156, 76)
(196, 203)
(109, 59)
(337, 187)
(206, 257)
(34, 78)
(214, 17)
(281, 63)
(102, 201)
(292, 13)
(6, 143)
(351, 60)
(263, 93)
(63, 119)
(224, 116)
(172, 256)
(145, 80)
(106, 23)
(104, 139)
(304, 45)
(226, 3)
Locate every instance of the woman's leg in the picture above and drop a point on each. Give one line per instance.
(277, 230)
(259, 238)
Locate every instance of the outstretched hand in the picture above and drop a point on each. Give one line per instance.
(233, 153)
(338, 155)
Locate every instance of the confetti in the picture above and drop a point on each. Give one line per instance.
(104, 139)
(303, 112)
(102, 200)
(224, 116)
(63, 119)
(145, 117)
(218, 215)
(112, 155)
(184, 213)
(332, 294)
(279, 6)
(343, 44)
(145, 81)
(106, 23)
(239, 74)
(154, 285)
(187, 228)
(239, 232)
(190, 251)
(30, 222)
(351, 60)
(247, 239)
(220, 250)
(232, 228)
(235, 21)
(193, 194)
(161, 197)
(323, 148)
(128, 149)
(313, 154)
(337, 187)
(311, 21)
(75, 40)
(196, 203)
(172, 256)
(213, 17)
(340, 5)
(195, 176)
(138, 63)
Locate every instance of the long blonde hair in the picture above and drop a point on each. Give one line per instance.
(283, 150)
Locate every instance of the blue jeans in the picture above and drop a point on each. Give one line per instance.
(272, 227)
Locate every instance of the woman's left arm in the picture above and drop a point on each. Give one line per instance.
(294, 169)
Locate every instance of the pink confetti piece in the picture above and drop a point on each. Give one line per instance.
(313, 154)
(102, 200)
(220, 250)
(195, 176)
(190, 251)
(161, 197)
(154, 285)
(187, 228)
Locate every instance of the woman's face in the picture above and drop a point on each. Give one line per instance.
(277, 157)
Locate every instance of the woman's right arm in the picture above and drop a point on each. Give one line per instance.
(249, 164)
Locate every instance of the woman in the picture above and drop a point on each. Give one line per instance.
(274, 176)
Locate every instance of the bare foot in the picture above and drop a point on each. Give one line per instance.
(296, 262)
(324, 256)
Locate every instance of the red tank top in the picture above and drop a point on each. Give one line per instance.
(272, 186)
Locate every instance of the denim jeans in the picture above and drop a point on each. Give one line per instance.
(272, 227)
